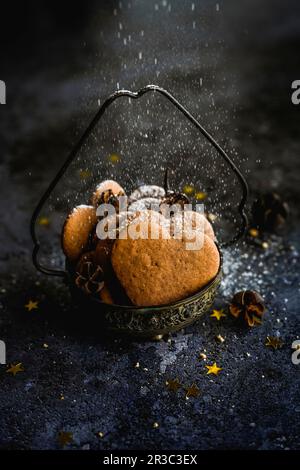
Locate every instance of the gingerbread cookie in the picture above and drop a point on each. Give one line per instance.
(191, 220)
(161, 271)
(144, 204)
(77, 229)
(105, 295)
(147, 191)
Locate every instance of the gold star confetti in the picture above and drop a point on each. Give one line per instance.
(200, 195)
(32, 304)
(15, 368)
(265, 245)
(44, 221)
(64, 438)
(84, 174)
(214, 369)
(61, 397)
(114, 158)
(100, 434)
(173, 385)
(273, 342)
(218, 314)
(192, 391)
(45, 346)
(220, 338)
(155, 425)
(253, 232)
(203, 356)
(188, 189)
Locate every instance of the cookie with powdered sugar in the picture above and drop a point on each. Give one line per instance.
(77, 229)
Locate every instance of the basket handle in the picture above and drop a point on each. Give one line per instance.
(85, 135)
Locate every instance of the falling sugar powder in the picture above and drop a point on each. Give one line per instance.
(168, 354)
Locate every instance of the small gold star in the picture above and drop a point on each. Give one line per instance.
(173, 385)
(253, 232)
(274, 342)
(155, 425)
(32, 304)
(45, 346)
(220, 338)
(192, 391)
(84, 174)
(188, 189)
(100, 434)
(44, 221)
(265, 245)
(14, 369)
(203, 356)
(200, 195)
(64, 438)
(214, 369)
(218, 314)
(114, 158)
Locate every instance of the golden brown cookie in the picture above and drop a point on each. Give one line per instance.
(76, 231)
(192, 220)
(105, 190)
(105, 295)
(161, 271)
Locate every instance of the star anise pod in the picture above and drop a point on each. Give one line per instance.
(108, 197)
(89, 277)
(269, 212)
(172, 198)
(175, 198)
(248, 305)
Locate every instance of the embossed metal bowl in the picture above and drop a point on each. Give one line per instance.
(141, 321)
(149, 321)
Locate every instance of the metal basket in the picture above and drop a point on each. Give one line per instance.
(141, 321)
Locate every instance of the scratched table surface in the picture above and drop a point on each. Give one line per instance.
(232, 63)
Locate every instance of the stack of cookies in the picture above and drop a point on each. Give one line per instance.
(140, 253)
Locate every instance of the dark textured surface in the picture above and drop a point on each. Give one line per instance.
(55, 72)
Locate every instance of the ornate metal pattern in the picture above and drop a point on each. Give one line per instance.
(152, 321)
